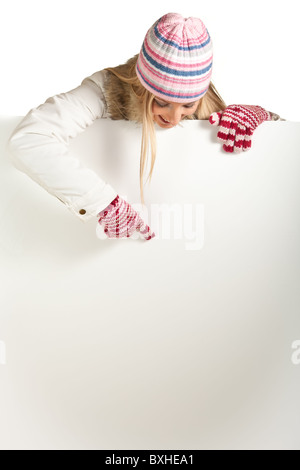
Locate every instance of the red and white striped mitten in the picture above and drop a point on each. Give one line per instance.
(237, 124)
(120, 220)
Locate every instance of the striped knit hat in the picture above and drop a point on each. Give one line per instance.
(175, 61)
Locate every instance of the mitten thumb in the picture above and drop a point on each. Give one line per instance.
(214, 118)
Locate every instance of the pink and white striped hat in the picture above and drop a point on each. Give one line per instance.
(175, 61)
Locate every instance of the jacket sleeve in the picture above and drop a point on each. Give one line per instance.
(39, 147)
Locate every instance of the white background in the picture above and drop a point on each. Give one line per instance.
(49, 47)
(86, 368)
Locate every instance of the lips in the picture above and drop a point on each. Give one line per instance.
(164, 121)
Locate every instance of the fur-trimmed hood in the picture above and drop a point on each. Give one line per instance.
(121, 101)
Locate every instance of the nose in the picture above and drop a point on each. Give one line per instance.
(175, 116)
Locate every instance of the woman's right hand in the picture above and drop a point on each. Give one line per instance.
(120, 220)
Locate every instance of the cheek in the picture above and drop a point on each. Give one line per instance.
(190, 111)
(156, 109)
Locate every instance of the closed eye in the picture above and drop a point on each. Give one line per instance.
(190, 105)
(162, 105)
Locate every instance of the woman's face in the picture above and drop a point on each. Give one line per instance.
(167, 114)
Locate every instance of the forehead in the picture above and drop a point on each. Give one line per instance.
(173, 102)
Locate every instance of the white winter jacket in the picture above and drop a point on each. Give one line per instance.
(39, 147)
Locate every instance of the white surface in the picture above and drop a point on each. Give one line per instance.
(125, 344)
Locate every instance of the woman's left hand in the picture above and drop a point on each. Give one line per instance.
(237, 124)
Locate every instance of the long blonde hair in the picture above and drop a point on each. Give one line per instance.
(128, 99)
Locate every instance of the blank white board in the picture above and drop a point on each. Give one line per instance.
(187, 341)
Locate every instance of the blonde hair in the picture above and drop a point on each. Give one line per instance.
(134, 102)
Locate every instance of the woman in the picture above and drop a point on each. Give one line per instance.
(168, 81)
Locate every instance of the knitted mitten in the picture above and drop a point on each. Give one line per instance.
(237, 124)
(120, 220)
